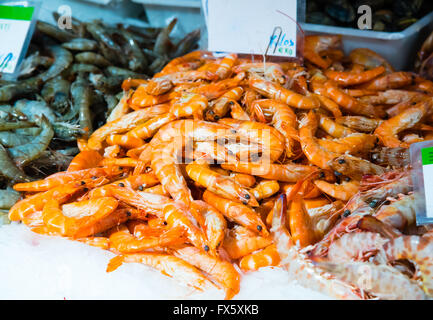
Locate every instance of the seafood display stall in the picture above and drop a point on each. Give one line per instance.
(157, 164)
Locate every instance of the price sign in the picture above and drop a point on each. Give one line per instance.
(252, 26)
(421, 158)
(427, 170)
(16, 24)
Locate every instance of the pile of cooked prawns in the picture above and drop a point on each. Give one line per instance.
(217, 165)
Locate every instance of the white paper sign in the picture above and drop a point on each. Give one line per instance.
(14, 26)
(250, 26)
(427, 170)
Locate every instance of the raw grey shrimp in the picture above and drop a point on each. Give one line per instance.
(81, 96)
(80, 44)
(23, 154)
(8, 168)
(62, 59)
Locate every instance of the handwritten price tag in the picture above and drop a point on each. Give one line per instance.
(15, 24)
(249, 26)
(427, 169)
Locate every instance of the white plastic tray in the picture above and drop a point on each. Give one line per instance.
(399, 48)
(161, 12)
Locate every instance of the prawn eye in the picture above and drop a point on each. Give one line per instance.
(217, 117)
(128, 213)
(346, 213)
(210, 112)
(347, 179)
(337, 173)
(206, 248)
(83, 183)
(259, 228)
(341, 161)
(321, 174)
(233, 131)
(140, 188)
(121, 184)
(373, 203)
(247, 196)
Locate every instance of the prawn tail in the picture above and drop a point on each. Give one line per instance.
(115, 263)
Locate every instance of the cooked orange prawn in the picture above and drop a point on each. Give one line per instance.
(168, 265)
(354, 143)
(99, 242)
(265, 257)
(271, 171)
(215, 224)
(85, 160)
(164, 151)
(219, 184)
(69, 219)
(269, 138)
(343, 191)
(125, 242)
(348, 102)
(220, 271)
(223, 104)
(265, 189)
(297, 264)
(354, 167)
(359, 123)
(124, 124)
(237, 212)
(158, 189)
(176, 214)
(61, 178)
(369, 59)
(150, 127)
(271, 71)
(134, 182)
(301, 228)
(283, 119)
(189, 104)
(187, 58)
(36, 202)
(225, 66)
(274, 91)
(240, 241)
(387, 131)
(329, 105)
(333, 128)
(389, 81)
(125, 141)
(310, 146)
(313, 45)
(348, 78)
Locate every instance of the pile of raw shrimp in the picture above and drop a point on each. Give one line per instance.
(219, 166)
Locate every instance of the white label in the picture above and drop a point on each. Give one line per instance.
(250, 26)
(427, 171)
(15, 23)
(13, 34)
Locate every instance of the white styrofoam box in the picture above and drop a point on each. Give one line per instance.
(399, 48)
(116, 11)
(161, 12)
